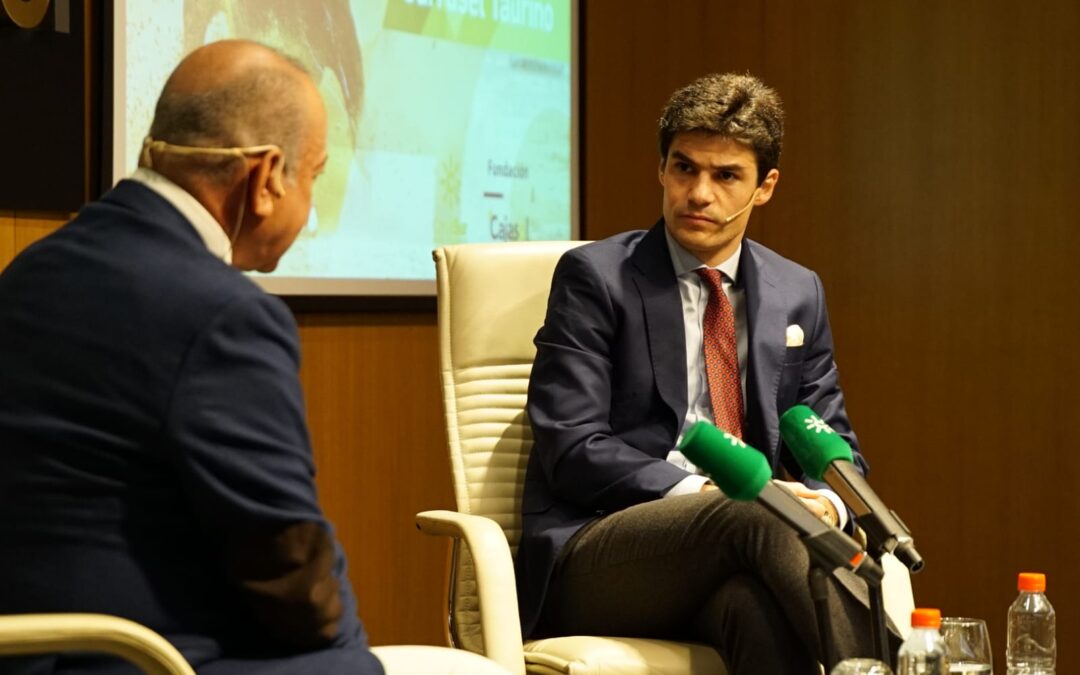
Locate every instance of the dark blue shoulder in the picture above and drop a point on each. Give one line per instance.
(774, 265)
(616, 247)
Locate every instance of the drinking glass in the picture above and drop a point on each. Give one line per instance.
(967, 644)
(861, 667)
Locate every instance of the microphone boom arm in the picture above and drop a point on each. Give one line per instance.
(829, 548)
(884, 533)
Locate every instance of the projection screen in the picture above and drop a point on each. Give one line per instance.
(451, 121)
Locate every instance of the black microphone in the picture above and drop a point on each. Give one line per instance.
(825, 456)
(743, 474)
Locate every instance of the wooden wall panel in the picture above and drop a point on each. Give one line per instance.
(929, 180)
(376, 418)
(635, 55)
(928, 170)
(19, 229)
(7, 237)
(31, 226)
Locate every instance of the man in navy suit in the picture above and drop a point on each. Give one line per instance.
(621, 535)
(154, 455)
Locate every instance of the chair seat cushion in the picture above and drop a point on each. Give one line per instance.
(588, 655)
(424, 660)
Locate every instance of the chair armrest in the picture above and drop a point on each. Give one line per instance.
(496, 587)
(25, 634)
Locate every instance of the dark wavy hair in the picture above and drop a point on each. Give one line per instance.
(739, 107)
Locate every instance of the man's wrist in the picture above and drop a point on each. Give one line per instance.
(838, 506)
(692, 484)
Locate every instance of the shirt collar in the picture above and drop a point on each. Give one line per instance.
(685, 262)
(205, 224)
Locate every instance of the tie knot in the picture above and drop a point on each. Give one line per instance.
(714, 278)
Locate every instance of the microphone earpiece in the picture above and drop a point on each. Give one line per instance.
(277, 186)
(743, 210)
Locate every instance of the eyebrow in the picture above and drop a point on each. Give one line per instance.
(680, 156)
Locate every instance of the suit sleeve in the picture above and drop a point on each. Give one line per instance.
(819, 386)
(570, 399)
(236, 433)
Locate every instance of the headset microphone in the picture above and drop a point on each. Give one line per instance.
(725, 221)
(276, 185)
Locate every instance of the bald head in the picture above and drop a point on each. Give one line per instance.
(220, 64)
(236, 93)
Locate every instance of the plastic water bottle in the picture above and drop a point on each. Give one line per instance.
(1032, 648)
(923, 652)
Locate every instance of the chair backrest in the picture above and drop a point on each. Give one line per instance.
(492, 300)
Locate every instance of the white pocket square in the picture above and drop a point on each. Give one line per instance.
(794, 336)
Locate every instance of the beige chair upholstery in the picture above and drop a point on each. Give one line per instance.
(33, 634)
(492, 300)
(426, 660)
(26, 634)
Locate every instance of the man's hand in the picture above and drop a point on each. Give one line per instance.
(816, 503)
(705, 487)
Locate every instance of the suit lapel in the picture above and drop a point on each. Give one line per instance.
(766, 320)
(656, 283)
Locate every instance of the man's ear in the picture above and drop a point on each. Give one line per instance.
(265, 186)
(765, 190)
(660, 170)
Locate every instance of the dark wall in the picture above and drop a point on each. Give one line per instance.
(928, 175)
(46, 148)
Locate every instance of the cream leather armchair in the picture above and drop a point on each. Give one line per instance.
(28, 634)
(36, 634)
(492, 299)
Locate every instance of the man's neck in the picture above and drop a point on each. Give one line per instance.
(685, 261)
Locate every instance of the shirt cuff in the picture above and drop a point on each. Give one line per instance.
(841, 508)
(688, 485)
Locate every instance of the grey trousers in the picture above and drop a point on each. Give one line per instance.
(709, 569)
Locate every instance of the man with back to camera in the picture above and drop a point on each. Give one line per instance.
(155, 461)
(647, 332)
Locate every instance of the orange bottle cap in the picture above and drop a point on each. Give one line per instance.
(1032, 582)
(924, 617)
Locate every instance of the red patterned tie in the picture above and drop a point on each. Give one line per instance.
(722, 356)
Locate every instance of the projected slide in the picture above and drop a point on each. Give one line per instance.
(450, 120)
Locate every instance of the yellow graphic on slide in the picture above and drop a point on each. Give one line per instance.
(537, 28)
(449, 119)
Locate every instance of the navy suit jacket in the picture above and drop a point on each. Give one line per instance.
(607, 394)
(154, 454)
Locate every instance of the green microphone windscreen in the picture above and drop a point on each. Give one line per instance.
(813, 442)
(739, 470)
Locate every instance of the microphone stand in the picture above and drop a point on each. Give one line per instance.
(825, 549)
(819, 592)
(879, 628)
(885, 532)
